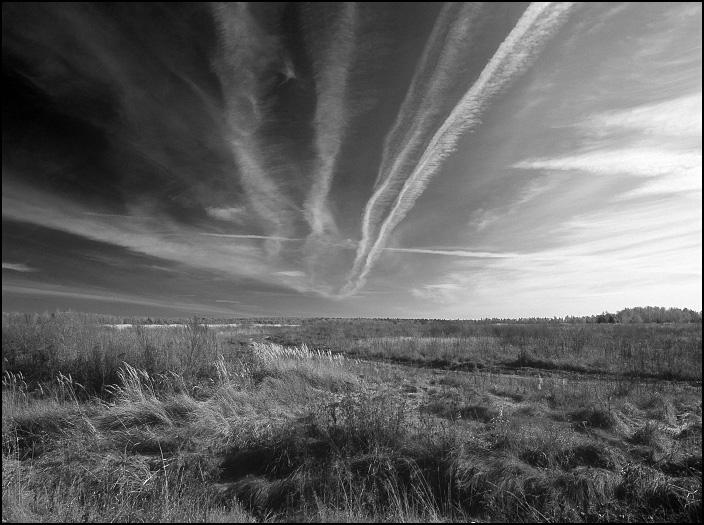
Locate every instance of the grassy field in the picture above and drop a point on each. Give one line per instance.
(350, 420)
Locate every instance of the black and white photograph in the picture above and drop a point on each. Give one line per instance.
(352, 262)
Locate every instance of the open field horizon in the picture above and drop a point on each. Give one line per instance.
(352, 261)
(350, 420)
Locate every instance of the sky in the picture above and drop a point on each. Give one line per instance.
(456, 160)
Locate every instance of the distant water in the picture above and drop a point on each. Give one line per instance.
(232, 325)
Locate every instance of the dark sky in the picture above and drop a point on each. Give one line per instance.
(351, 159)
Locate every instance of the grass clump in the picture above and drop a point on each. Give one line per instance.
(657, 495)
(594, 418)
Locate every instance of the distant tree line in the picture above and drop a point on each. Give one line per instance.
(637, 315)
(654, 314)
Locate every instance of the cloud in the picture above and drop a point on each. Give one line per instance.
(448, 46)
(454, 253)
(292, 273)
(248, 54)
(130, 110)
(482, 218)
(621, 258)
(658, 142)
(535, 188)
(117, 215)
(514, 56)
(649, 251)
(422, 106)
(91, 294)
(174, 242)
(437, 293)
(231, 142)
(17, 267)
(682, 168)
(252, 236)
(236, 214)
(680, 117)
(333, 57)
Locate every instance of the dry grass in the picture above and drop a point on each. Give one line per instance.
(258, 431)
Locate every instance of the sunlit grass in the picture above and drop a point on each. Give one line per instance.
(195, 424)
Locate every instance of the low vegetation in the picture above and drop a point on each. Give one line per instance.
(350, 420)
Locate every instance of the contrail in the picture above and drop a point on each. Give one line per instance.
(450, 37)
(457, 253)
(331, 114)
(452, 34)
(514, 56)
(247, 54)
(249, 236)
(545, 256)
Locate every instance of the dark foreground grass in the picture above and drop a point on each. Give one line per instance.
(261, 432)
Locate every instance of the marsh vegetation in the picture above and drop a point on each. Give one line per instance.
(350, 420)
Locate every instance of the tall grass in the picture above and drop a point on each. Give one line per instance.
(664, 351)
(93, 354)
(194, 424)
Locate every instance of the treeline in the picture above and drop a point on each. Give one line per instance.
(643, 314)
(637, 315)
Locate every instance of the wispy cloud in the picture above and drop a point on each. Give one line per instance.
(252, 236)
(296, 155)
(182, 244)
(333, 57)
(658, 142)
(447, 48)
(333, 34)
(17, 267)
(670, 171)
(422, 106)
(482, 218)
(680, 117)
(439, 293)
(117, 215)
(622, 254)
(291, 273)
(90, 294)
(248, 52)
(454, 253)
(514, 56)
(236, 214)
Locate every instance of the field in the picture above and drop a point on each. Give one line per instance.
(350, 420)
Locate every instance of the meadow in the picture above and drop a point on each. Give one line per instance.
(349, 420)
